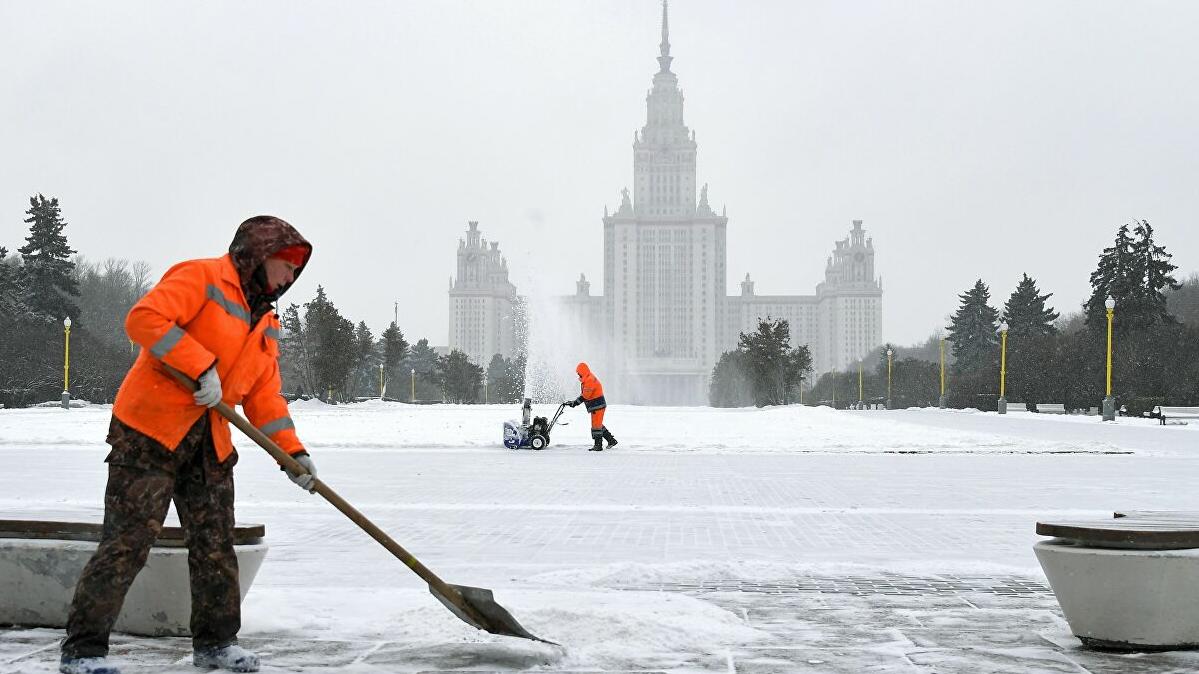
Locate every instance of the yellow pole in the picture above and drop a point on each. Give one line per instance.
(380, 381)
(412, 398)
(1002, 363)
(1109, 351)
(859, 381)
(942, 367)
(66, 360)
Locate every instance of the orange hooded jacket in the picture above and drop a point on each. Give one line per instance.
(593, 390)
(196, 316)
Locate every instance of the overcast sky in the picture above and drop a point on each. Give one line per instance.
(974, 139)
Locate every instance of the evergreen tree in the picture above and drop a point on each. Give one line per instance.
(11, 295)
(332, 337)
(1136, 273)
(1031, 343)
(295, 354)
(1026, 313)
(462, 380)
(972, 330)
(1110, 278)
(774, 368)
(394, 349)
(48, 282)
(1155, 273)
(366, 363)
(423, 360)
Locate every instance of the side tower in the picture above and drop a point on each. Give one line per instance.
(483, 302)
(850, 303)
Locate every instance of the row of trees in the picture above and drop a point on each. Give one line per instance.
(1051, 358)
(322, 353)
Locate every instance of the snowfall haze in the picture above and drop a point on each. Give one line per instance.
(974, 140)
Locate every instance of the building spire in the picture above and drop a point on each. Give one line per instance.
(664, 57)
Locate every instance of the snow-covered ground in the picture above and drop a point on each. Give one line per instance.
(708, 540)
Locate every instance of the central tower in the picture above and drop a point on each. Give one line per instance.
(664, 259)
(664, 150)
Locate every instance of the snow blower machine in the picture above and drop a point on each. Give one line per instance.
(530, 432)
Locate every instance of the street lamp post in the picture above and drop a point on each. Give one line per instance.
(412, 398)
(1109, 403)
(66, 364)
(861, 402)
(889, 354)
(941, 402)
(1003, 367)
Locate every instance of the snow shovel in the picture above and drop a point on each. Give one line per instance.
(473, 605)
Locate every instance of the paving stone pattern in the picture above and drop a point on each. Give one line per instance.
(896, 584)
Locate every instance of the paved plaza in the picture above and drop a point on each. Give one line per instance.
(654, 558)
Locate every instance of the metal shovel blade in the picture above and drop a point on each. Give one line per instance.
(482, 612)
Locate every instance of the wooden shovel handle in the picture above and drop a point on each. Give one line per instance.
(331, 496)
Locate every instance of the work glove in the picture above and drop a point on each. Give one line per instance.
(306, 482)
(572, 403)
(209, 393)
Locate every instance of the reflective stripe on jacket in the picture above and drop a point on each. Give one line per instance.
(196, 316)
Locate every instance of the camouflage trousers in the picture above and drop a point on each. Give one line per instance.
(143, 478)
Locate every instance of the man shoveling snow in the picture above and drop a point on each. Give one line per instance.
(213, 320)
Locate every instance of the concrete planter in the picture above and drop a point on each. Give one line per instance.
(1125, 599)
(38, 576)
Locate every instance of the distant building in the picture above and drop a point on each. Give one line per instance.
(483, 302)
(666, 313)
(665, 316)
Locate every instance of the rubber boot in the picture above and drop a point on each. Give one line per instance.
(609, 437)
(598, 446)
(232, 657)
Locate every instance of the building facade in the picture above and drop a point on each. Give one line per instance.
(840, 324)
(664, 260)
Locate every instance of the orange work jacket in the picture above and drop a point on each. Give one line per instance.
(593, 391)
(196, 316)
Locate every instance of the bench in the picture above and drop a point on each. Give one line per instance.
(1050, 408)
(40, 562)
(1175, 413)
(1129, 583)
